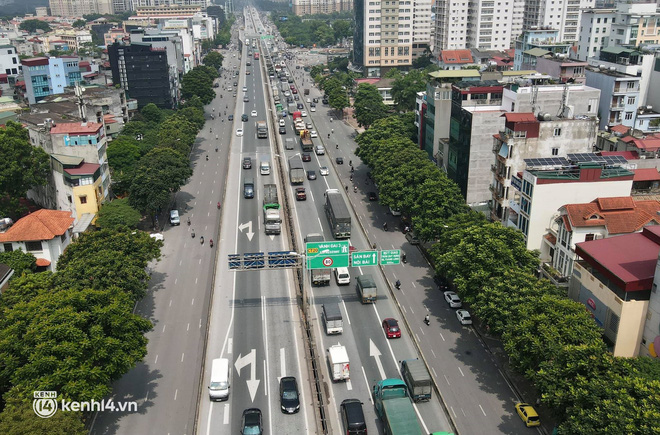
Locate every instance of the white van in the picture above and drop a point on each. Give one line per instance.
(342, 276)
(219, 385)
(264, 168)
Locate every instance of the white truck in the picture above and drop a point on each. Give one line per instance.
(334, 324)
(320, 277)
(272, 217)
(338, 361)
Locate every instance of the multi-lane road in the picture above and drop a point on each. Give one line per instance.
(201, 310)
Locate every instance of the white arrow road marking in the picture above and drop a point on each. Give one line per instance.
(242, 361)
(249, 233)
(282, 363)
(374, 352)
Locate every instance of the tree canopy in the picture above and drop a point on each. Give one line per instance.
(315, 30)
(405, 89)
(368, 104)
(213, 59)
(23, 167)
(32, 26)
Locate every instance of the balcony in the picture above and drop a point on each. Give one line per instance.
(552, 274)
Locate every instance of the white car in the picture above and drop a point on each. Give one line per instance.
(324, 170)
(229, 88)
(312, 109)
(309, 100)
(244, 88)
(303, 113)
(319, 150)
(282, 123)
(239, 132)
(314, 133)
(253, 113)
(453, 300)
(464, 317)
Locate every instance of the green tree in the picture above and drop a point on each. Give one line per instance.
(199, 82)
(405, 89)
(368, 104)
(324, 35)
(338, 100)
(79, 23)
(423, 61)
(123, 153)
(437, 199)
(342, 29)
(160, 173)
(31, 26)
(193, 115)
(213, 59)
(21, 262)
(152, 113)
(18, 418)
(118, 213)
(23, 167)
(177, 133)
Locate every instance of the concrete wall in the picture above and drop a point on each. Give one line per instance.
(650, 345)
(484, 126)
(548, 198)
(586, 288)
(581, 99)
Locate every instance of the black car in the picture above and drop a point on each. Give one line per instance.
(339, 160)
(316, 100)
(236, 83)
(230, 118)
(247, 163)
(300, 106)
(325, 101)
(306, 157)
(282, 130)
(244, 117)
(289, 396)
(251, 422)
(373, 196)
(311, 175)
(352, 417)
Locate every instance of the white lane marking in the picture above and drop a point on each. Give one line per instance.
(225, 419)
(447, 380)
(200, 323)
(282, 363)
(192, 302)
(434, 373)
(156, 360)
(462, 374)
(349, 385)
(442, 336)
(176, 280)
(176, 393)
(482, 410)
(452, 411)
(188, 327)
(182, 356)
(164, 328)
(231, 342)
(170, 302)
(348, 319)
(433, 353)
(413, 284)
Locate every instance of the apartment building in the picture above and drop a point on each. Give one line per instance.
(535, 43)
(526, 136)
(73, 38)
(78, 8)
(312, 7)
(383, 36)
(563, 16)
(422, 27)
(482, 24)
(623, 300)
(47, 76)
(595, 29)
(9, 61)
(597, 219)
(549, 183)
(620, 94)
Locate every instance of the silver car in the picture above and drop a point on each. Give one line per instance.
(319, 150)
(453, 300)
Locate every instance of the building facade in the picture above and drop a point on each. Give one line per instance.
(47, 76)
(78, 8)
(313, 7)
(10, 64)
(532, 42)
(561, 16)
(144, 74)
(620, 95)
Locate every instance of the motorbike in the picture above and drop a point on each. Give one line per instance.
(427, 320)
(207, 158)
(201, 240)
(397, 284)
(403, 258)
(211, 243)
(218, 206)
(355, 189)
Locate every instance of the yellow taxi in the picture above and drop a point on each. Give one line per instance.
(528, 414)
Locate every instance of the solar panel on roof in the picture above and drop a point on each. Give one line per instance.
(592, 157)
(547, 161)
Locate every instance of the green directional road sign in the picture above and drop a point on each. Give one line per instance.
(365, 258)
(389, 257)
(324, 255)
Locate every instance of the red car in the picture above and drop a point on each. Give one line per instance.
(301, 195)
(294, 90)
(292, 87)
(306, 157)
(391, 328)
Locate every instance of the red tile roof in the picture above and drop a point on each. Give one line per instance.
(76, 128)
(651, 143)
(620, 129)
(619, 215)
(628, 261)
(84, 169)
(456, 56)
(520, 117)
(109, 118)
(43, 224)
(42, 262)
(646, 174)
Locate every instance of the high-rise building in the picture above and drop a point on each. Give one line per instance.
(311, 7)
(143, 72)
(422, 27)
(78, 8)
(383, 36)
(138, 3)
(563, 16)
(482, 24)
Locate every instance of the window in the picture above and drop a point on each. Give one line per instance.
(33, 246)
(629, 115)
(631, 100)
(555, 151)
(83, 199)
(588, 237)
(8, 247)
(557, 131)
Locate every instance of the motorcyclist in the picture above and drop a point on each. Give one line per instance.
(201, 240)
(397, 284)
(385, 226)
(207, 157)
(355, 189)
(211, 242)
